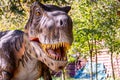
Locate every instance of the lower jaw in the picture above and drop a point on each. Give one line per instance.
(54, 65)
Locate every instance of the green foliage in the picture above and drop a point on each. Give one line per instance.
(95, 20)
(14, 13)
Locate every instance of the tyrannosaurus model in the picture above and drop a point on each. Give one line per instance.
(42, 46)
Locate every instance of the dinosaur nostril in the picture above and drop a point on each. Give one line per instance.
(61, 22)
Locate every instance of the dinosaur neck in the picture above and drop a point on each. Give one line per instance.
(28, 51)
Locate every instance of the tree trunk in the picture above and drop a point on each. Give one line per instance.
(96, 59)
(91, 51)
(113, 74)
(91, 73)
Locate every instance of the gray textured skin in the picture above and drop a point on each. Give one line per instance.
(24, 59)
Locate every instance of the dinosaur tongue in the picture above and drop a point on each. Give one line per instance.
(56, 54)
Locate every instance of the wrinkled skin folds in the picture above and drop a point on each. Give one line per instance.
(42, 46)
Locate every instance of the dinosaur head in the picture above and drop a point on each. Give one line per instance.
(50, 31)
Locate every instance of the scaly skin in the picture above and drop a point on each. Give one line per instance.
(29, 55)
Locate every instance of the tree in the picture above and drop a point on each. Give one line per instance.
(95, 21)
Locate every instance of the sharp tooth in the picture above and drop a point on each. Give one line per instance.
(44, 49)
(54, 46)
(66, 44)
(63, 44)
(58, 45)
(48, 46)
(44, 45)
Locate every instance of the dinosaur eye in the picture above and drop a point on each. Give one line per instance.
(38, 13)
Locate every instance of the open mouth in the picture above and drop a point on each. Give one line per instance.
(56, 51)
(53, 55)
